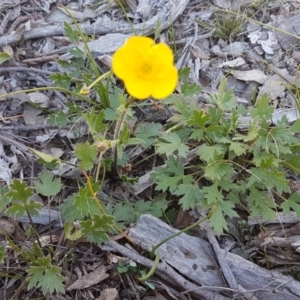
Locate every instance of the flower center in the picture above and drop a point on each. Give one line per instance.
(145, 71)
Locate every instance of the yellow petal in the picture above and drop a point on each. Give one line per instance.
(127, 59)
(146, 68)
(139, 42)
(139, 89)
(165, 82)
(163, 54)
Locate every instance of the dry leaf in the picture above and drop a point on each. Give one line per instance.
(251, 75)
(90, 279)
(109, 294)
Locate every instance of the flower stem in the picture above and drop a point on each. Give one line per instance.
(86, 89)
(99, 166)
(152, 270)
(98, 203)
(118, 129)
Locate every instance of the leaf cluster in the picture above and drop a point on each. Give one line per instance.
(233, 167)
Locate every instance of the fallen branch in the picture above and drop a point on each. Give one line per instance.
(195, 259)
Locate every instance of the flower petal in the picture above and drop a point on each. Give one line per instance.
(146, 68)
(163, 54)
(139, 42)
(165, 82)
(139, 89)
(128, 58)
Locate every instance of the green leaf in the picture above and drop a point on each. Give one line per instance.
(123, 213)
(134, 141)
(95, 121)
(18, 210)
(4, 57)
(110, 114)
(267, 178)
(292, 161)
(148, 133)
(76, 52)
(190, 89)
(211, 153)
(156, 208)
(237, 147)
(218, 170)
(45, 276)
(61, 80)
(19, 190)
(170, 143)
(71, 33)
(96, 229)
(69, 211)
(2, 254)
(84, 201)
(296, 126)
(199, 118)
(277, 140)
(292, 203)
(117, 98)
(4, 199)
(158, 28)
(212, 194)
(217, 221)
(191, 195)
(252, 133)
(47, 184)
(45, 157)
(261, 204)
(224, 99)
(183, 73)
(183, 108)
(124, 136)
(58, 118)
(87, 155)
(197, 134)
(262, 108)
(266, 160)
(171, 176)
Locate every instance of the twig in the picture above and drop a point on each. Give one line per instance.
(49, 31)
(32, 128)
(18, 21)
(41, 59)
(195, 39)
(4, 137)
(24, 69)
(222, 260)
(31, 9)
(4, 22)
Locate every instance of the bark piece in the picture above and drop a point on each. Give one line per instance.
(90, 279)
(195, 259)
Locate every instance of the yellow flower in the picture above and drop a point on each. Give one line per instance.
(146, 68)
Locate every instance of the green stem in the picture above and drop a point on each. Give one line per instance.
(103, 76)
(32, 228)
(118, 129)
(152, 270)
(102, 209)
(99, 166)
(49, 88)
